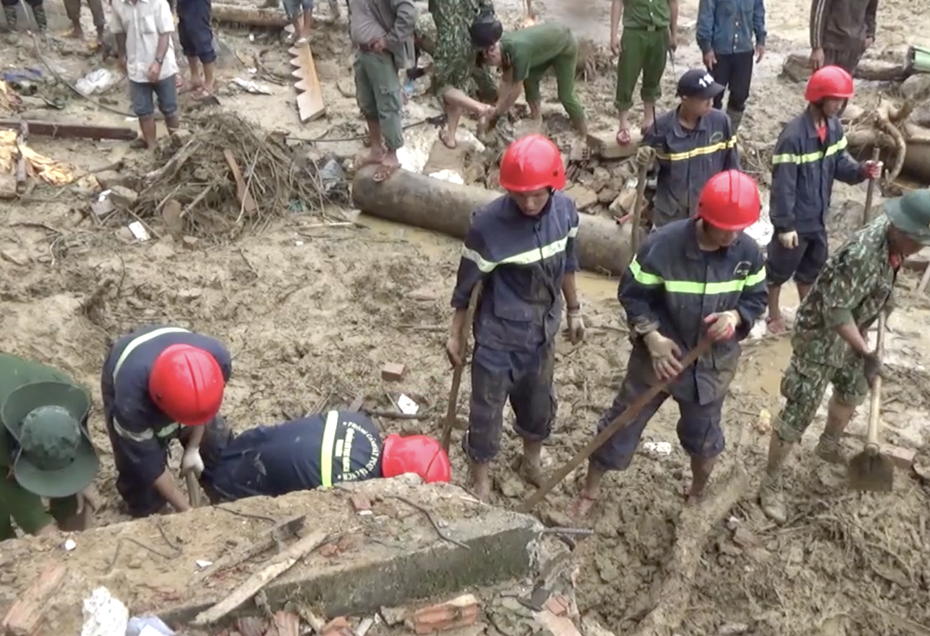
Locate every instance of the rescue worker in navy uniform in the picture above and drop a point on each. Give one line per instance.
(521, 247)
(316, 451)
(691, 279)
(156, 380)
(692, 143)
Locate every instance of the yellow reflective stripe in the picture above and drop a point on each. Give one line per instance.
(327, 449)
(140, 341)
(811, 157)
(697, 288)
(528, 257)
(699, 151)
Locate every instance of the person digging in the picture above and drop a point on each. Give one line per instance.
(316, 451)
(829, 343)
(382, 36)
(809, 155)
(521, 248)
(45, 450)
(524, 56)
(692, 279)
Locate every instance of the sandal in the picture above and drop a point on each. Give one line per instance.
(384, 171)
(623, 136)
(444, 138)
(138, 144)
(581, 507)
(361, 161)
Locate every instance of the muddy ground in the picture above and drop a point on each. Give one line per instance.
(312, 310)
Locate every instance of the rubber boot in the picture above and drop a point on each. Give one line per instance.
(772, 499)
(38, 12)
(736, 117)
(10, 14)
(830, 449)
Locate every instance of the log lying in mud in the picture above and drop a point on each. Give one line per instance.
(250, 16)
(603, 246)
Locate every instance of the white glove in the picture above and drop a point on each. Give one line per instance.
(575, 326)
(722, 326)
(192, 461)
(788, 240)
(665, 355)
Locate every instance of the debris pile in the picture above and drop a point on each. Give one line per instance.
(17, 158)
(223, 177)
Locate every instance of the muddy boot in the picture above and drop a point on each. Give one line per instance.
(830, 449)
(736, 117)
(772, 499)
(10, 14)
(38, 13)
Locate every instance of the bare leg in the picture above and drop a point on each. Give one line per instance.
(830, 448)
(803, 290)
(455, 101)
(172, 124)
(209, 77)
(196, 82)
(771, 495)
(375, 144)
(649, 115)
(530, 467)
(481, 481)
(701, 469)
(623, 129)
(589, 493)
(775, 321)
(147, 127)
(308, 24)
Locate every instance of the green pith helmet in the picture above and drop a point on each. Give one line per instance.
(55, 458)
(911, 214)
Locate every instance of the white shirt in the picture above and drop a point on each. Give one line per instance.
(144, 22)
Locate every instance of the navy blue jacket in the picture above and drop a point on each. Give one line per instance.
(803, 170)
(311, 452)
(672, 285)
(522, 261)
(727, 26)
(686, 159)
(139, 429)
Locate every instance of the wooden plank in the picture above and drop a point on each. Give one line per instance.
(242, 188)
(71, 131)
(25, 616)
(310, 103)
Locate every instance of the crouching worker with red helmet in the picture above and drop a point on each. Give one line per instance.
(155, 381)
(316, 451)
(521, 247)
(694, 278)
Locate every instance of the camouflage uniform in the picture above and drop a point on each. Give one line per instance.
(444, 34)
(855, 285)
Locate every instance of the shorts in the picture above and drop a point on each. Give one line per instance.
(294, 8)
(804, 262)
(143, 96)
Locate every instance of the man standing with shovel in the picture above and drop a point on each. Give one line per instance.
(829, 342)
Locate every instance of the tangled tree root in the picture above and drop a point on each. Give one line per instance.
(882, 128)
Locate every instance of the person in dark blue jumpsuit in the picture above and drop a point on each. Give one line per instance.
(521, 249)
(154, 381)
(692, 279)
(316, 451)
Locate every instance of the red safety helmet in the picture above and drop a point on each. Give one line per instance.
(829, 82)
(730, 201)
(532, 163)
(187, 384)
(415, 454)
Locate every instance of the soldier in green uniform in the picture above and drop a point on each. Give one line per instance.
(649, 31)
(829, 343)
(524, 56)
(455, 75)
(44, 449)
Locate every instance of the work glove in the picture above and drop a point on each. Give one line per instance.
(722, 325)
(575, 326)
(665, 354)
(191, 461)
(872, 367)
(788, 240)
(872, 169)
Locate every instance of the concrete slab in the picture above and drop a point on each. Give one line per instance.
(384, 557)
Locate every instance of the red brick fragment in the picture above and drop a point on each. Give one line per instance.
(558, 605)
(902, 458)
(328, 550)
(339, 626)
(361, 503)
(393, 371)
(459, 612)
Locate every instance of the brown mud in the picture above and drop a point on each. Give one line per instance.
(311, 310)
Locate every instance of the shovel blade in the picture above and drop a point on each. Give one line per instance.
(870, 472)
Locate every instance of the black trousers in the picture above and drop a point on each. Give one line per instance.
(734, 72)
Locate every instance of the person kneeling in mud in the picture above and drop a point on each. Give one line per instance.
(524, 56)
(316, 451)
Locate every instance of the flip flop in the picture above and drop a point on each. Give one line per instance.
(138, 144)
(384, 171)
(444, 138)
(623, 136)
(574, 509)
(362, 161)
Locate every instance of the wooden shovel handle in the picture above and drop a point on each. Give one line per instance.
(451, 406)
(875, 399)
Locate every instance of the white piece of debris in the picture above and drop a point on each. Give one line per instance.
(406, 405)
(448, 175)
(250, 86)
(104, 615)
(203, 564)
(70, 545)
(138, 230)
(657, 449)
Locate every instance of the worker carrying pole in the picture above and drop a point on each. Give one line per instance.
(691, 279)
(829, 342)
(693, 142)
(316, 451)
(521, 247)
(156, 380)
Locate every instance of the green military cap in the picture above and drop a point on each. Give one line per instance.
(55, 457)
(911, 214)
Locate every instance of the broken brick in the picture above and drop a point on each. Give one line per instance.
(26, 615)
(361, 503)
(392, 371)
(902, 458)
(459, 612)
(557, 604)
(339, 626)
(328, 550)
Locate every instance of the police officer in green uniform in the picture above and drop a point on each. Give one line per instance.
(44, 449)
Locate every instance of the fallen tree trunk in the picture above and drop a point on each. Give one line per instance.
(251, 16)
(432, 204)
(797, 67)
